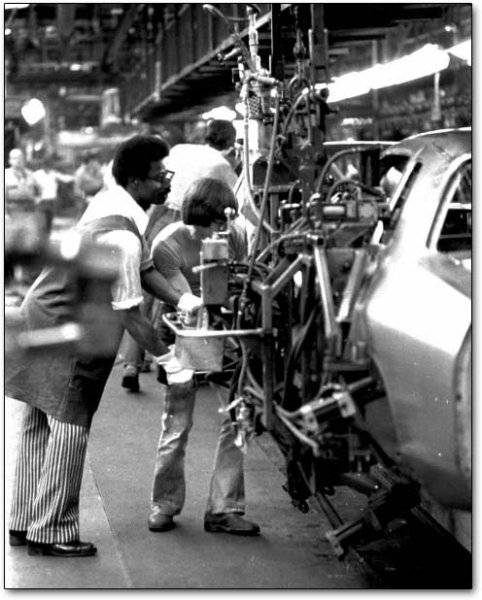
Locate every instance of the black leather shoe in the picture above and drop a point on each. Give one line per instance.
(17, 538)
(130, 379)
(229, 523)
(159, 522)
(68, 549)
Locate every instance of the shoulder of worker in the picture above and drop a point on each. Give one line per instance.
(112, 203)
(174, 232)
(180, 154)
(196, 155)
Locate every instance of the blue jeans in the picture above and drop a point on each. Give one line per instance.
(226, 491)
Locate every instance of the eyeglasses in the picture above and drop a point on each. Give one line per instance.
(163, 177)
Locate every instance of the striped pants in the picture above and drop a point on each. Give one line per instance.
(48, 476)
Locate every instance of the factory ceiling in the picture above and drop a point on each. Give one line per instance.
(165, 57)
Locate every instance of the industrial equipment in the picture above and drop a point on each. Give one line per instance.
(352, 395)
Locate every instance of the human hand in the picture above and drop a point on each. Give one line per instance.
(189, 303)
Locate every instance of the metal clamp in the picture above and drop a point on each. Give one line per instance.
(174, 323)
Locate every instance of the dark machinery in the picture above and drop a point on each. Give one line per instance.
(301, 368)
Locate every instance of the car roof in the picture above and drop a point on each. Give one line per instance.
(452, 141)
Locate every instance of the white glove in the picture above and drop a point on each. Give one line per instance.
(175, 372)
(189, 303)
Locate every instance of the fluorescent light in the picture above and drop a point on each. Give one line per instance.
(426, 61)
(348, 86)
(463, 51)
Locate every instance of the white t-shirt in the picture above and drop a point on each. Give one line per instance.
(48, 181)
(191, 162)
(127, 290)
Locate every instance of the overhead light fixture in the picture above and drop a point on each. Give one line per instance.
(15, 6)
(33, 111)
(427, 60)
(348, 86)
(463, 51)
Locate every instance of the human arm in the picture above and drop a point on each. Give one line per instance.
(167, 263)
(142, 331)
(156, 284)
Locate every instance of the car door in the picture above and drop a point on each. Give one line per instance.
(418, 318)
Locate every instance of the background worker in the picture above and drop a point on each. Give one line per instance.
(89, 177)
(188, 162)
(21, 189)
(48, 179)
(62, 394)
(22, 194)
(175, 251)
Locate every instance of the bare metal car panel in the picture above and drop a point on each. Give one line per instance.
(417, 316)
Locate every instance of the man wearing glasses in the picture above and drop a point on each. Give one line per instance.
(62, 394)
(189, 163)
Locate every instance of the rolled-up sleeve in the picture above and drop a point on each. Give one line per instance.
(127, 289)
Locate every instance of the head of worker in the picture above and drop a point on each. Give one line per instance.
(138, 168)
(49, 162)
(16, 159)
(206, 205)
(220, 135)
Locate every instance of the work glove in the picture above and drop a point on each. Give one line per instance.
(175, 372)
(189, 303)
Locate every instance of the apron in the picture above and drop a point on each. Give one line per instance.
(64, 384)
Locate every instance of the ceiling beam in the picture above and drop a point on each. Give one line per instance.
(111, 53)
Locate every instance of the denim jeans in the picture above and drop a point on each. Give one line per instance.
(226, 490)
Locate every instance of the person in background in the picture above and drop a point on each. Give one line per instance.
(188, 162)
(22, 194)
(21, 189)
(175, 251)
(48, 179)
(89, 177)
(62, 393)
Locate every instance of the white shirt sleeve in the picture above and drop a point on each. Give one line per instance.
(127, 289)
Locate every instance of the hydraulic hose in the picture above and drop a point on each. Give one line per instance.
(264, 201)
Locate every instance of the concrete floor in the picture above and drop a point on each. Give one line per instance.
(291, 553)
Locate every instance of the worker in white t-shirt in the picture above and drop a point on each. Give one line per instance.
(48, 180)
(188, 163)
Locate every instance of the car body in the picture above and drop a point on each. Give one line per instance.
(416, 314)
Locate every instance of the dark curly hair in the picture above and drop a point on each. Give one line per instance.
(134, 156)
(220, 134)
(205, 200)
